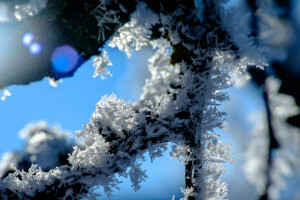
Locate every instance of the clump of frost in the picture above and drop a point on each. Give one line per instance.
(31, 182)
(92, 156)
(112, 118)
(136, 33)
(100, 63)
(180, 152)
(187, 192)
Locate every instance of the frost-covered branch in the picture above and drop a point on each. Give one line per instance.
(284, 159)
(194, 60)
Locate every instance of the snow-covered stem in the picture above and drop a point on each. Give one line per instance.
(273, 143)
(213, 37)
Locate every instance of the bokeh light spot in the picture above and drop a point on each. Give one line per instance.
(35, 48)
(27, 39)
(64, 59)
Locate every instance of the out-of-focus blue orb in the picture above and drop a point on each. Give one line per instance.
(35, 48)
(27, 39)
(64, 59)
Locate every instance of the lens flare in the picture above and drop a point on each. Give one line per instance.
(27, 39)
(35, 48)
(64, 59)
